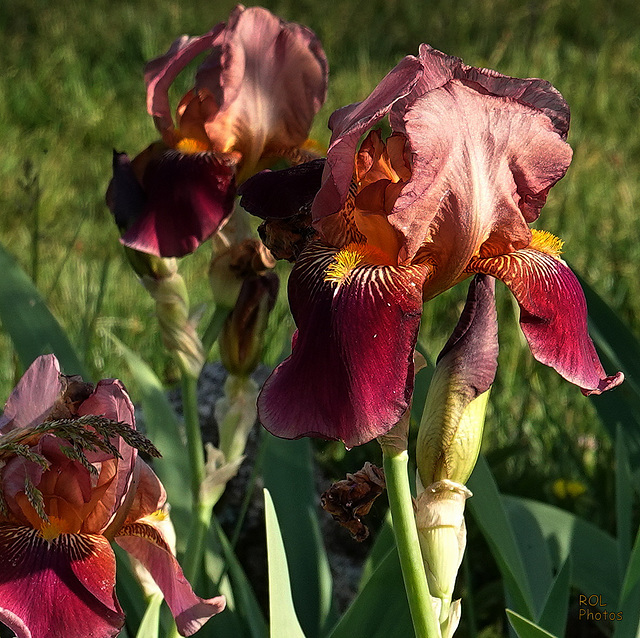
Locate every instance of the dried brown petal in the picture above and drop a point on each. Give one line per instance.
(350, 499)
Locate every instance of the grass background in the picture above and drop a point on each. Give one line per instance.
(71, 90)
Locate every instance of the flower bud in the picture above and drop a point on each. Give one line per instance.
(234, 263)
(176, 326)
(242, 336)
(452, 422)
(442, 534)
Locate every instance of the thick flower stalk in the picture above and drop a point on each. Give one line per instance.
(387, 223)
(449, 441)
(254, 98)
(71, 481)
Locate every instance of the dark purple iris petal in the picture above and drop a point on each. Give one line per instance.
(188, 198)
(350, 375)
(58, 589)
(278, 194)
(125, 197)
(553, 315)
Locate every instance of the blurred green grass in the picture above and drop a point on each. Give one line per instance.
(71, 90)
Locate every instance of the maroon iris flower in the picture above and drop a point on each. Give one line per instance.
(450, 192)
(253, 102)
(60, 506)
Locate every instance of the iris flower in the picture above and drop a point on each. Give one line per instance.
(386, 224)
(71, 481)
(255, 96)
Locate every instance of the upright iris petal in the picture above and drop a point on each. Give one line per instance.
(71, 481)
(469, 163)
(254, 99)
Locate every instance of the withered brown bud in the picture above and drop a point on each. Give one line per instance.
(287, 237)
(231, 266)
(74, 392)
(350, 499)
(242, 336)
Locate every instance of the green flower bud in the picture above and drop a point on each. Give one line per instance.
(453, 418)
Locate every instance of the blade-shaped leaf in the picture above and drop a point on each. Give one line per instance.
(628, 625)
(624, 502)
(380, 610)
(288, 463)
(385, 541)
(29, 323)
(556, 608)
(245, 600)
(283, 620)
(525, 628)
(619, 349)
(162, 427)
(488, 510)
(151, 619)
(593, 552)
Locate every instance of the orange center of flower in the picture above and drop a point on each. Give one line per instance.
(190, 146)
(381, 171)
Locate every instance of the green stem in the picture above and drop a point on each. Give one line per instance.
(194, 436)
(213, 329)
(201, 510)
(404, 528)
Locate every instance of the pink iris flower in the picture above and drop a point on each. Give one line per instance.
(59, 510)
(386, 224)
(254, 99)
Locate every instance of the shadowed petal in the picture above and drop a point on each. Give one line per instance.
(58, 589)
(553, 315)
(350, 375)
(485, 151)
(285, 193)
(34, 396)
(188, 199)
(145, 543)
(269, 79)
(125, 196)
(348, 124)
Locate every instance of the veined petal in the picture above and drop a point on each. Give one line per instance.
(145, 543)
(553, 315)
(348, 124)
(58, 589)
(34, 396)
(110, 400)
(350, 375)
(269, 78)
(486, 149)
(188, 198)
(160, 72)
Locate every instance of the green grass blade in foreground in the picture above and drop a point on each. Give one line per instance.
(380, 609)
(629, 625)
(246, 603)
(161, 425)
(488, 510)
(593, 552)
(525, 628)
(556, 608)
(283, 620)
(150, 621)
(287, 463)
(29, 323)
